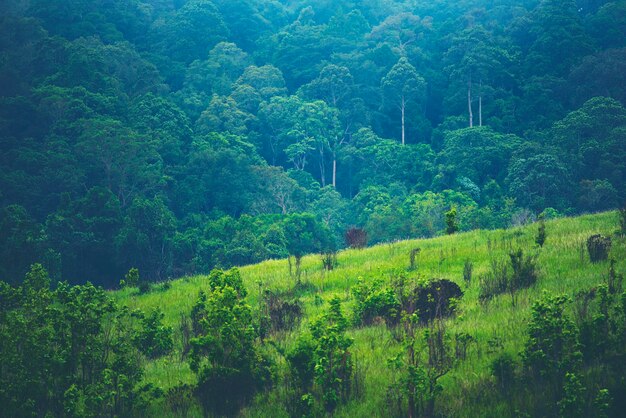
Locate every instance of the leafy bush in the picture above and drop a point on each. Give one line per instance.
(540, 239)
(154, 339)
(498, 280)
(552, 348)
(452, 225)
(374, 301)
(223, 353)
(329, 260)
(59, 356)
(333, 365)
(144, 287)
(412, 255)
(598, 247)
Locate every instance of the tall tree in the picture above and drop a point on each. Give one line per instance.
(401, 86)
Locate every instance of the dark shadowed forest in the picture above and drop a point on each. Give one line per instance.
(177, 136)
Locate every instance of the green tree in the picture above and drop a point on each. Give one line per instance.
(304, 235)
(333, 361)
(402, 85)
(145, 239)
(223, 354)
(451, 222)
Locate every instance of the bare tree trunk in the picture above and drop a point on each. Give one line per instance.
(480, 104)
(322, 167)
(334, 169)
(402, 108)
(469, 103)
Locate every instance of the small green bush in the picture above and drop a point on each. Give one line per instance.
(374, 301)
(154, 339)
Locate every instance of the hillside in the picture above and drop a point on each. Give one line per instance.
(176, 136)
(497, 327)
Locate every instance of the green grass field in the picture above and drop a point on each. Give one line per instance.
(564, 268)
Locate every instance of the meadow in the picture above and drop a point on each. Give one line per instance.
(496, 326)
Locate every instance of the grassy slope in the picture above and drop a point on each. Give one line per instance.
(564, 268)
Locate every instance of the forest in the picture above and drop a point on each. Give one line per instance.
(178, 136)
(288, 208)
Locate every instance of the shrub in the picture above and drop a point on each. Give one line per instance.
(622, 220)
(598, 247)
(180, 399)
(503, 369)
(132, 277)
(154, 339)
(552, 348)
(356, 237)
(283, 313)
(144, 287)
(374, 301)
(323, 358)
(494, 282)
(524, 270)
(436, 299)
(498, 281)
(540, 239)
(329, 260)
(451, 222)
(223, 354)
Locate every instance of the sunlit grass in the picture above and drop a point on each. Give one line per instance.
(497, 326)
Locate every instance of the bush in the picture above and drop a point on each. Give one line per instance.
(433, 300)
(283, 313)
(329, 260)
(132, 277)
(540, 239)
(524, 270)
(598, 247)
(374, 301)
(503, 369)
(144, 287)
(452, 225)
(413, 254)
(552, 348)
(180, 399)
(154, 339)
(495, 282)
(223, 353)
(356, 238)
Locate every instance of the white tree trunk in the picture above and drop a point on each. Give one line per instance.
(402, 108)
(322, 167)
(334, 169)
(480, 104)
(469, 103)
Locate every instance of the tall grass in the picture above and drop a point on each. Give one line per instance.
(497, 326)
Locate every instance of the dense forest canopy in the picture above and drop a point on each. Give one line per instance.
(176, 136)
